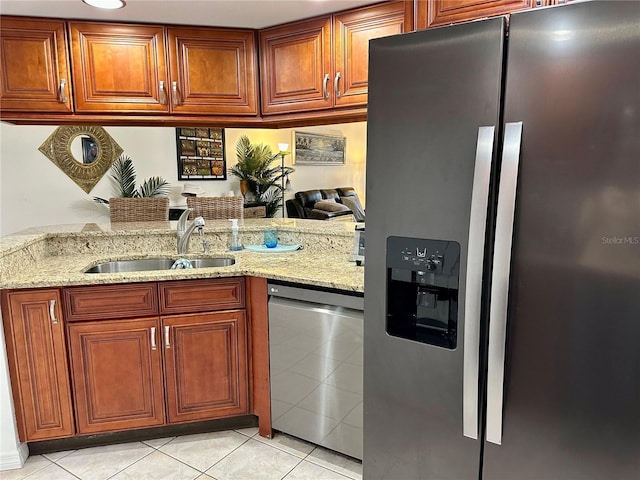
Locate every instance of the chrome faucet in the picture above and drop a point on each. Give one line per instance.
(184, 232)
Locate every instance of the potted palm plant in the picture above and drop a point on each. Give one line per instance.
(123, 177)
(258, 178)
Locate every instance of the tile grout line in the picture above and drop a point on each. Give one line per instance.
(144, 456)
(70, 473)
(328, 468)
(211, 466)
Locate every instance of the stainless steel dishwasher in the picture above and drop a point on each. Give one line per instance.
(315, 345)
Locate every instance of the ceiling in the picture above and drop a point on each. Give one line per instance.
(227, 13)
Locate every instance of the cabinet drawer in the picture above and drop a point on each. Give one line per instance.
(201, 295)
(110, 301)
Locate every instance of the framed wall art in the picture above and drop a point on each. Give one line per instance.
(318, 149)
(201, 153)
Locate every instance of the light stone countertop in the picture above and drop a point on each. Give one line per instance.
(58, 255)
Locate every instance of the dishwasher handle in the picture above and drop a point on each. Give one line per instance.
(346, 300)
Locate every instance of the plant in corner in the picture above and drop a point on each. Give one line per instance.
(256, 174)
(123, 177)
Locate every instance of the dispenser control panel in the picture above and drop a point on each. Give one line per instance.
(435, 262)
(422, 290)
(423, 258)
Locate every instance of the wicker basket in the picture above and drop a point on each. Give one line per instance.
(138, 209)
(216, 208)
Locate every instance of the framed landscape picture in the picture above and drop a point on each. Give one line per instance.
(318, 149)
(201, 153)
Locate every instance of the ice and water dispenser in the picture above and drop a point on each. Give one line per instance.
(422, 290)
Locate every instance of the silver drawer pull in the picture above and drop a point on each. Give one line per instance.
(167, 343)
(174, 87)
(153, 338)
(52, 312)
(336, 84)
(63, 93)
(163, 94)
(325, 91)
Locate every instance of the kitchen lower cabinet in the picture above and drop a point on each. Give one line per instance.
(85, 360)
(34, 335)
(116, 367)
(205, 357)
(184, 360)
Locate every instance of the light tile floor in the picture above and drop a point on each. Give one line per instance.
(227, 455)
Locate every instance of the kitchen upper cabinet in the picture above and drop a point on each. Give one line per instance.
(205, 358)
(34, 335)
(213, 71)
(323, 63)
(432, 13)
(296, 66)
(116, 367)
(352, 32)
(34, 66)
(119, 68)
(122, 69)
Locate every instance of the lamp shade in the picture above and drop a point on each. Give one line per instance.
(283, 147)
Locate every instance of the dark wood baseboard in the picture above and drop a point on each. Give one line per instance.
(84, 441)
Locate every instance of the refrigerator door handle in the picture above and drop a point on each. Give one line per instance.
(500, 280)
(473, 286)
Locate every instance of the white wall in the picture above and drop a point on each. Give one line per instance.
(34, 192)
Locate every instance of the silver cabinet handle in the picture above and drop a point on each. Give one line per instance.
(153, 338)
(325, 91)
(336, 84)
(174, 89)
(500, 280)
(167, 343)
(163, 94)
(52, 312)
(473, 285)
(63, 93)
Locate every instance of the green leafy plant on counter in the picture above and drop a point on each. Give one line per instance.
(123, 177)
(258, 178)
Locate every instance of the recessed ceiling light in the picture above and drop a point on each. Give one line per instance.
(109, 4)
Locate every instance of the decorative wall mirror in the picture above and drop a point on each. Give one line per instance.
(84, 153)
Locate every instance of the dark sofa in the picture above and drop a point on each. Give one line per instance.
(323, 204)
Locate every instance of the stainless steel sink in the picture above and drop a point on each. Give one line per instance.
(211, 262)
(147, 264)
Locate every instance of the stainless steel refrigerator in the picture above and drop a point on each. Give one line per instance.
(502, 284)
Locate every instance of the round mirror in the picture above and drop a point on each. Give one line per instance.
(84, 153)
(84, 149)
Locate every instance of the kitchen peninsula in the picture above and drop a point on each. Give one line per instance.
(58, 255)
(168, 319)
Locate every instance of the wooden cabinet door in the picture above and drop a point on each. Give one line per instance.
(206, 365)
(116, 367)
(295, 67)
(431, 13)
(119, 68)
(34, 66)
(353, 30)
(213, 71)
(34, 332)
